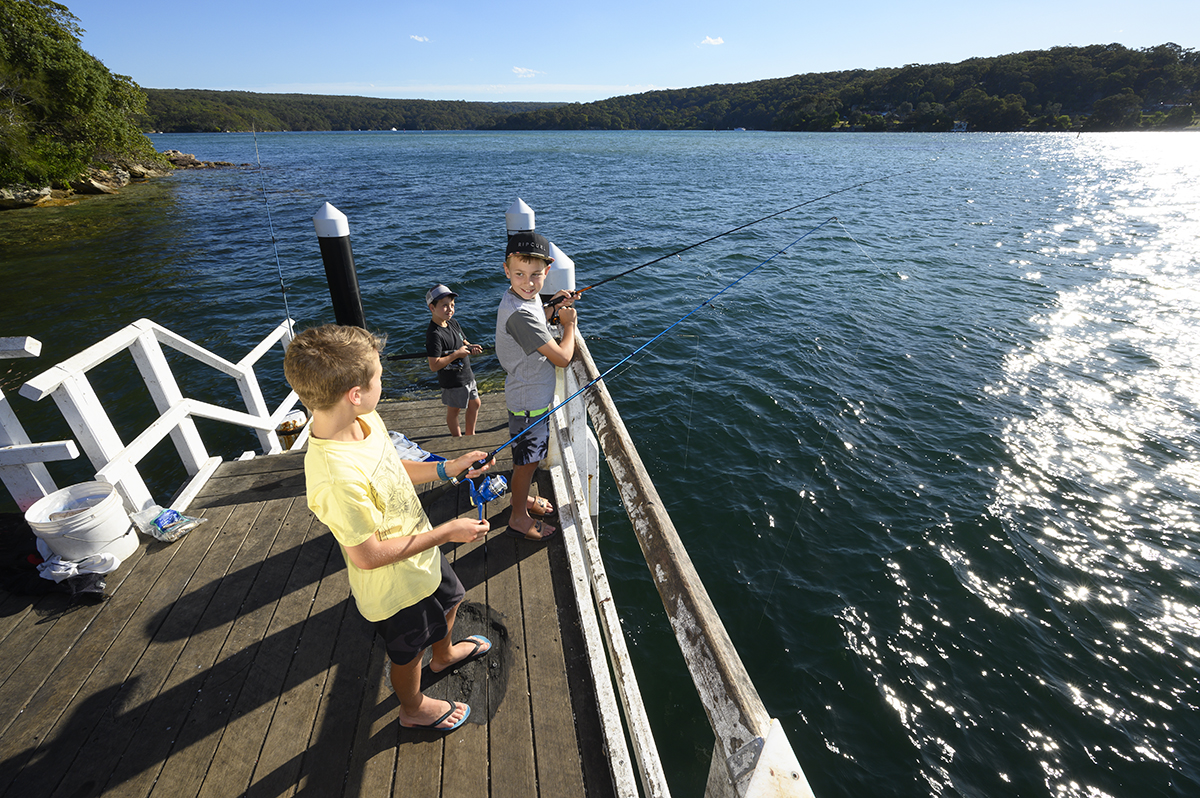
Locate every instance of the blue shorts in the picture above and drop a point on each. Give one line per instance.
(461, 396)
(533, 446)
(413, 629)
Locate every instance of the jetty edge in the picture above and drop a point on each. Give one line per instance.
(263, 573)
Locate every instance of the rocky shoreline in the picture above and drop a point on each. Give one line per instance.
(103, 181)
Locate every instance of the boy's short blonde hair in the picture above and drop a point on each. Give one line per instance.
(534, 260)
(323, 363)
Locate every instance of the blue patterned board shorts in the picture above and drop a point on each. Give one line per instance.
(533, 446)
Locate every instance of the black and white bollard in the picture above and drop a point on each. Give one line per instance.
(333, 235)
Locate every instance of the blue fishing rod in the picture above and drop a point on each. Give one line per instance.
(545, 416)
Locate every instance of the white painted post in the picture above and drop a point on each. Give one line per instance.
(256, 405)
(80, 406)
(164, 390)
(22, 468)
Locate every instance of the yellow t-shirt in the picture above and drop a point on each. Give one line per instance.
(359, 489)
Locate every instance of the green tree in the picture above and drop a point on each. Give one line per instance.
(1116, 112)
(61, 110)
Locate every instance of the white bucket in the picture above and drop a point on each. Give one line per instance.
(102, 526)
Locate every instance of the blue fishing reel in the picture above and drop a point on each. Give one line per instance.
(490, 489)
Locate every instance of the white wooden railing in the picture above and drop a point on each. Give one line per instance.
(752, 757)
(116, 462)
(22, 462)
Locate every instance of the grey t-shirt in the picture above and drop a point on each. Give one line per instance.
(520, 329)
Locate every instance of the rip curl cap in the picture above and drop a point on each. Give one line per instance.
(533, 245)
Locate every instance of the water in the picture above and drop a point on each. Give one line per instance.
(936, 463)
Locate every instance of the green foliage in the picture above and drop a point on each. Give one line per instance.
(202, 111)
(1037, 90)
(61, 110)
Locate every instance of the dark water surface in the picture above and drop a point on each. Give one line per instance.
(936, 463)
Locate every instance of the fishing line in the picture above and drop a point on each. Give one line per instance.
(287, 313)
(687, 442)
(734, 230)
(545, 416)
(823, 448)
(415, 355)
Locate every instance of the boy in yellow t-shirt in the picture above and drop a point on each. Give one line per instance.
(360, 488)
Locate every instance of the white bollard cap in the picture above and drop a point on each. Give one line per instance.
(331, 223)
(561, 276)
(519, 217)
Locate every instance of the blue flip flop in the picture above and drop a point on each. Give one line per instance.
(449, 712)
(479, 641)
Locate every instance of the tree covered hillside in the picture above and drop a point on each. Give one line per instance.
(61, 110)
(1100, 87)
(201, 111)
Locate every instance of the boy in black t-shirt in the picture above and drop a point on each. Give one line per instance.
(450, 356)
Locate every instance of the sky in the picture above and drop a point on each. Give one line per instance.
(570, 51)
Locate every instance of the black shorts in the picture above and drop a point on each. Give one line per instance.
(411, 630)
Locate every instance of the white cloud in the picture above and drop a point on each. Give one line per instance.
(522, 72)
(416, 38)
(711, 40)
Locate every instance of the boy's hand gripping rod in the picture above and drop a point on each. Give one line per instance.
(481, 463)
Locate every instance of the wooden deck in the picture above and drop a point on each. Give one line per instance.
(233, 662)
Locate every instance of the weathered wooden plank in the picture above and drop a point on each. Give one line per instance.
(49, 681)
(100, 666)
(327, 759)
(270, 628)
(300, 561)
(309, 677)
(41, 621)
(466, 755)
(13, 611)
(511, 727)
(373, 762)
(559, 771)
(263, 562)
(191, 701)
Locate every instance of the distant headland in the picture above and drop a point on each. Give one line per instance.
(1093, 88)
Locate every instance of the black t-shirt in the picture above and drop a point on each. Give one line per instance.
(441, 341)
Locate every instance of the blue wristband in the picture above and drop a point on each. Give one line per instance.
(441, 471)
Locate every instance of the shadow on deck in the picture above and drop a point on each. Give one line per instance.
(233, 661)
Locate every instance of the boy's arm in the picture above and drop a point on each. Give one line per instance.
(435, 349)
(439, 363)
(560, 352)
(375, 553)
(422, 471)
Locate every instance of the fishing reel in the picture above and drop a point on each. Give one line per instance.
(489, 489)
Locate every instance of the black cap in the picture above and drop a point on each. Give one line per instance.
(534, 245)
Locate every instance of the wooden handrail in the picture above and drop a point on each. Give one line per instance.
(735, 711)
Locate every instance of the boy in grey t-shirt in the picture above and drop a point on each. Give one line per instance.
(529, 354)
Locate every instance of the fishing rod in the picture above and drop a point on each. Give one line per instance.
(415, 355)
(577, 292)
(287, 313)
(544, 416)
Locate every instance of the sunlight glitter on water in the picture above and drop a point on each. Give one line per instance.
(1102, 490)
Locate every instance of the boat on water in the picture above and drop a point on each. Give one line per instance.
(89, 692)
